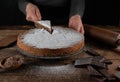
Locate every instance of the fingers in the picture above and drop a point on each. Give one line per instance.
(81, 30)
(75, 23)
(37, 12)
(78, 28)
(31, 17)
(32, 13)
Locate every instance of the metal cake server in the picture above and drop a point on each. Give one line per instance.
(46, 24)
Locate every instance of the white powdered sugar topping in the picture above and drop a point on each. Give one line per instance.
(60, 38)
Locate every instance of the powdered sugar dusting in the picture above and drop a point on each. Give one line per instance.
(60, 38)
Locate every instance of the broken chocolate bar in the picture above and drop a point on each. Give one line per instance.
(94, 61)
(106, 61)
(105, 73)
(117, 75)
(102, 79)
(83, 62)
(93, 72)
(92, 52)
(98, 64)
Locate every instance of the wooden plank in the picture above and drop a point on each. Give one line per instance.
(45, 72)
(6, 41)
(25, 27)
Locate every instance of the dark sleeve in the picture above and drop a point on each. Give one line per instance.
(77, 7)
(22, 5)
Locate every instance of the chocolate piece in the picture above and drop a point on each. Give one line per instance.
(98, 64)
(105, 73)
(94, 61)
(117, 75)
(98, 58)
(83, 62)
(99, 61)
(93, 72)
(92, 52)
(102, 79)
(106, 61)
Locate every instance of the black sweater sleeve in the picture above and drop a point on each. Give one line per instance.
(77, 7)
(22, 5)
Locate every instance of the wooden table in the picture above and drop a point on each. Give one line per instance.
(61, 70)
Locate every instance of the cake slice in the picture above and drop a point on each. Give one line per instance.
(44, 24)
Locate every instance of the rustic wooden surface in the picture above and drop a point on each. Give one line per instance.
(61, 70)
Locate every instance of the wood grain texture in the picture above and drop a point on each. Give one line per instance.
(6, 41)
(61, 70)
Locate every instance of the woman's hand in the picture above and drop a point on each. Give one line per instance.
(32, 13)
(75, 22)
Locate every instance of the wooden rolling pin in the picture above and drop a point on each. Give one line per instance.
(109, 37)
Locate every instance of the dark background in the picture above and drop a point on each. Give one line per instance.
(97, 12)
(104, 12)
(10, 14)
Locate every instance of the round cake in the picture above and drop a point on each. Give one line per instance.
(39, 42)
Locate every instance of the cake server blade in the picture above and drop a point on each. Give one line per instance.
(46, 24)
